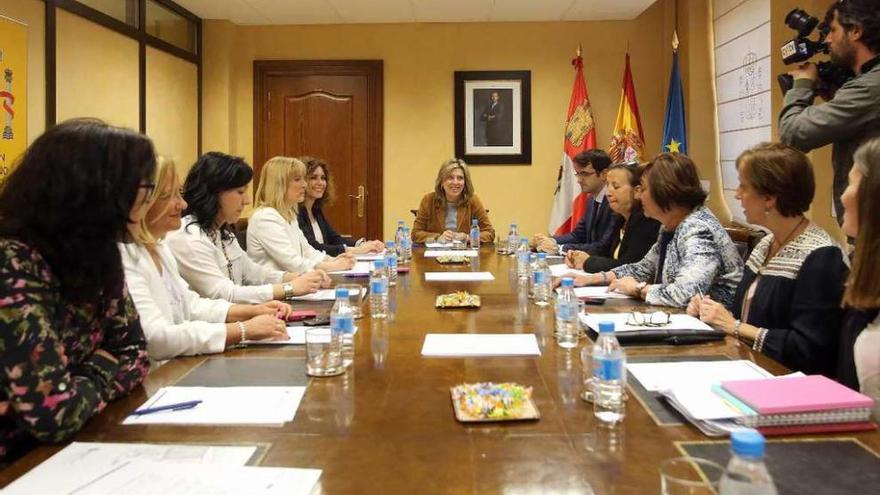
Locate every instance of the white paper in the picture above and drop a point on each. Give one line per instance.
(223, 405)
(323, 295)
(443, 245)
(470, 253)
(657, 377)
(458, 276)
(150, 478)
(370, 256)
(297, 336)
(563, 269)
(677, 322)
(359, 268)
(480, 345)
(597, 292)
(82, 462)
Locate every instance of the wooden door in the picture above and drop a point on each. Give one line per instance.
(331, 110)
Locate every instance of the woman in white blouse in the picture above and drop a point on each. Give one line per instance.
(176, 321)
(274, 238)
(205, 247)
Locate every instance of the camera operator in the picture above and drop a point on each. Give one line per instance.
(853, 114)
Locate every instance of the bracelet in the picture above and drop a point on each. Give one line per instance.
(243, 330)
(287, 287)
(758, 345)
(736, 326)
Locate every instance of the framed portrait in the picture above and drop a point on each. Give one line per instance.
(493, 117)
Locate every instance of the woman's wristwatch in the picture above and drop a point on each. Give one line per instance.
(287, 287)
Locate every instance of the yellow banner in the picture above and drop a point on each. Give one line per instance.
(13, 93)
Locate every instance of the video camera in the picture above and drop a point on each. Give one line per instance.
(801, 48)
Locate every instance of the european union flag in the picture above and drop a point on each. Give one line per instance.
(674, 127)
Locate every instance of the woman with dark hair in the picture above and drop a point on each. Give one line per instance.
(208, 255)
(861, 330)
(693, 253)
(788, 302)
(638, 232)
(70, 337)
(445, 215)
(310, 216)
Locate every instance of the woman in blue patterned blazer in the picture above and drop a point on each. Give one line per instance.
(693, 253)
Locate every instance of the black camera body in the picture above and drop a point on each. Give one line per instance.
(801, 48)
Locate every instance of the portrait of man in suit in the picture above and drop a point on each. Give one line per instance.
(495, 116)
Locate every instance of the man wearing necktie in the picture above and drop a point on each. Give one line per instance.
(497, 133)
(596, 230)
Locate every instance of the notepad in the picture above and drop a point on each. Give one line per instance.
(359, 268)
(559, 270)
(796, 395)
(469, 253)
(322, 295)
(480, 345)
(370, 256)
(459, 277)
(659, 376)
(270, 406)
(621, 322)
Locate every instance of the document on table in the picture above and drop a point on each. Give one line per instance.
(480, 345)
(270, 406)
(598, 292)
(442, 245)
(320, 295)
(470, 253)
(677, 322)
(80, 463)
(359, 268)
(370, 256)
(458, 277)
(297, 334)
(559, 270)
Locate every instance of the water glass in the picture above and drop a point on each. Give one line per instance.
(355, 298)
(689, 476)
(501, 245)
(323, 352)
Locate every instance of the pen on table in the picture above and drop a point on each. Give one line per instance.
(168, 407)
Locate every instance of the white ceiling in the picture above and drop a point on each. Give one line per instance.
(375, 11)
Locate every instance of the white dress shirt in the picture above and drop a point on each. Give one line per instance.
(274, 242)
(203, 265)
(176, 320)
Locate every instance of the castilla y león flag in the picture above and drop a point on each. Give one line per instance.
(628, 141)
(569, 203)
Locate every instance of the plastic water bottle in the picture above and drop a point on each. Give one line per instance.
(522, 258)
(533, 266)
(397, 237)
(475, 234)
(541, 277)
(405, 246)
(566, 315)
(512, 239)
(342, 321)
(379, 290)
(746, 473)
(609, 376)
(391, 262)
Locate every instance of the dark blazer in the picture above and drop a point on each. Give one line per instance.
(334, 244)
(640, 233)
(594, 236)
(430, 220)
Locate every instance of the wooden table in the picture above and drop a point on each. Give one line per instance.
(387, 425)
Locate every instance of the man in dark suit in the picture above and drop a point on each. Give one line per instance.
(595, 232)
(497, 133)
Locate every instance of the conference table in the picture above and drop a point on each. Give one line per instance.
(387, 425)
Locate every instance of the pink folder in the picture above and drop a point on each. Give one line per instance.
(796, 394)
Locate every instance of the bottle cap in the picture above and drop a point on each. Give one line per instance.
(475, 222)
(341, 292)
(513, 225)
(747, 443)
(542, 256)
(568, 282)
(389, 244)
(606, 327)
(523, 239)
(378, 264)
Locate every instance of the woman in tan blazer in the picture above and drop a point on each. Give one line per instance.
(446, 213)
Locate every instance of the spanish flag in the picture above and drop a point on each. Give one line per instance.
(628, 140)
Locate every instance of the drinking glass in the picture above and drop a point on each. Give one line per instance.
(501, 245)
(689, 476)
(323, 352)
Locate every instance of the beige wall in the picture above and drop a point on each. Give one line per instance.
(32, 13)
(172, 112)
(419, 63)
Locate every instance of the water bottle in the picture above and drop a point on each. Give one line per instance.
(391, 262)
(566, 315)
(533, 266)
(406, 246)
(378, 290)
(541, 277)
(746, 473)
(475, 234)
(609, 376)
(522, 258)
(342, 321)
(512, 239)
(397, 237)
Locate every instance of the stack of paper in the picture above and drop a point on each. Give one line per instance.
(320, 295)
(459, 276)
(621, 322)
(480, 345)
(470, 253)
(359, 268)
(223, 405)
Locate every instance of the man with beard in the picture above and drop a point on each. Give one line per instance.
(853, 114)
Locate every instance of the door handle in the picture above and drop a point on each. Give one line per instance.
(361, 197)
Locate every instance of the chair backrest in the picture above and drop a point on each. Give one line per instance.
(241, 232)
(745, 239)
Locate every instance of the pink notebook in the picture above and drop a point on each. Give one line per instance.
(796, 394)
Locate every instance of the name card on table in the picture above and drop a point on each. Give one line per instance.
(480, 345)
(459, 277)
(470, 253)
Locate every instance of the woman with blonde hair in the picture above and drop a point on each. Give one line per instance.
(446, 213)
(273, 236)
(176, 320)
(318, 231)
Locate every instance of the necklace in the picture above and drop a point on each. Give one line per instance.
(784, 241)
(214, 238)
